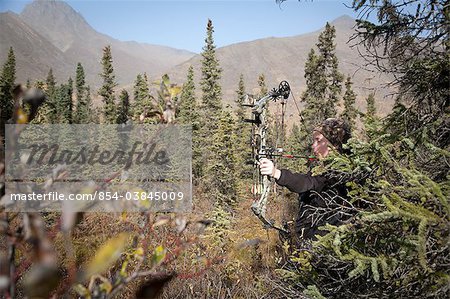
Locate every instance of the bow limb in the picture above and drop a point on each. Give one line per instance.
(264, 183)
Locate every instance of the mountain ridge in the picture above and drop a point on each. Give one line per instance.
(63, 38)
(283, 58)
(58, 24)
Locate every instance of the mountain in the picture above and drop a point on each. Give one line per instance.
(34, 54)
(284, 59)
(50, 33)
(58, 25)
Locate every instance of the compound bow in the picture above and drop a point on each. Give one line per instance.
(263, 184)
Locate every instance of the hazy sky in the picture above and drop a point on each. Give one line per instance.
(181, 24)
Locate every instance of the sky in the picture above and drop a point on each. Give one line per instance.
(182, 24)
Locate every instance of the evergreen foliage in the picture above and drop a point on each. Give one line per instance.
(399, 236)
(240, 92)
(421, 67)
(220, 170)
(70, 100)
(188, 103)
(371, 121)
(64, 104)
(211, 103)
(420, 64)
(323, 86)
(396, 244)
(189, 114)
(142, 99)
(89, 107)
(323, 80)
(107, 89)
(219, 231)
(80, 83)
(312, 110)
(7, 79)
(262, 85)
(328, 63)
(123, 112)
(50, 83)
(48, 112)
(312, 94)
(84, 109)
(371, 110)
(242, 133)
(349, 114)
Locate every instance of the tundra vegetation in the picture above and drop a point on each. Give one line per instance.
(395, 245)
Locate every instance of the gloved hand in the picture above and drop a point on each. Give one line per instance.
(266, 167)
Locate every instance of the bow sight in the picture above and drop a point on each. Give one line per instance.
(282, 92)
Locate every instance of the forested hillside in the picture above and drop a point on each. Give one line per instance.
(381, 229)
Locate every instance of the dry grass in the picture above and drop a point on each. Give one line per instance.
(239, 264)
